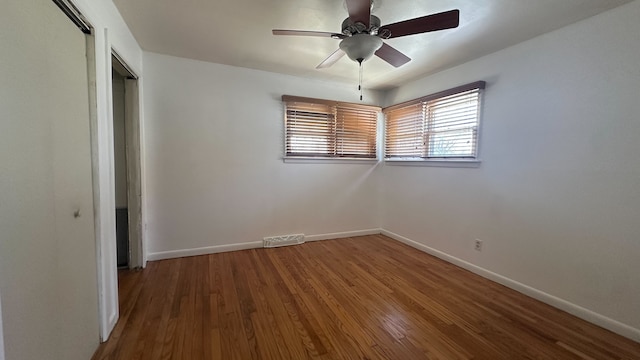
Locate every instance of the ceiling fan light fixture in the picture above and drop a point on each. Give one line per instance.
(360, 47)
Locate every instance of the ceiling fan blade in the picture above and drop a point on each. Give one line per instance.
(308, 33)
(435, 22)
(392, 56)
(359, 11)
(332, 59)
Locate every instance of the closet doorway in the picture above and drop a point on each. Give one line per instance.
(126, 155)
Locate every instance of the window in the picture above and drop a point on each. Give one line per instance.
(316, 128)
(439, 126)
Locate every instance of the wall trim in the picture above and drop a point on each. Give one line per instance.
(573, 309)
(250, 245)
(343, 234)
(203, 250)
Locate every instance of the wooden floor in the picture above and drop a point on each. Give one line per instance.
(358, 298)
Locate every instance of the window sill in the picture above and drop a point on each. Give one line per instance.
(319, 160)
(457, 163)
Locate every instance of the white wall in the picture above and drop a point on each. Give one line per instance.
(214, 160)
(557, 197)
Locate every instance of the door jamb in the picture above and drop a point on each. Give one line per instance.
(133, 155)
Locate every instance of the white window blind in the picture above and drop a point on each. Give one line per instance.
(329, 129)
(443, 125)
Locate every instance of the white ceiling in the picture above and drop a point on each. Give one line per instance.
(238, 32)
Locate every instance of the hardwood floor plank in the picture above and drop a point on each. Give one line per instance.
(246, 303)
(269, 331)
(356, 298)
(167, 346)
(216, 346)
(334, 341)
(280, 299)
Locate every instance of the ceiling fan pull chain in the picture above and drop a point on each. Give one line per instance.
(360, 81)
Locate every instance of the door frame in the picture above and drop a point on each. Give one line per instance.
(103, 182)
(104, 187)
(133, 156)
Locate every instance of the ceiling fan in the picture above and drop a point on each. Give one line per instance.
(362, 35)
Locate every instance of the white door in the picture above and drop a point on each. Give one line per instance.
(47, 251)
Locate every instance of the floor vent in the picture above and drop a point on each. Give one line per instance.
(282, 240)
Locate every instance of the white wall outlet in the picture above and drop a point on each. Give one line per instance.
(478, 245)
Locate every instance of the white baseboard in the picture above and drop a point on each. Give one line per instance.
(111, 323)
(250, 245)
(585, 314)
(203, 250)
(344, 234)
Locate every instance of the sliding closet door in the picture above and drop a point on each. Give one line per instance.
(47, 251)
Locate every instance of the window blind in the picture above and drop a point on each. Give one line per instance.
(442, 125)
(329, 129)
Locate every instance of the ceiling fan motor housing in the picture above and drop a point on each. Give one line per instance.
(350, 28)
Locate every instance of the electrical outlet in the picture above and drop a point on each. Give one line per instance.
(478, 245)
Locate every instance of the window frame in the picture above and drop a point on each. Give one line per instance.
(426, 160)
(332, 156)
